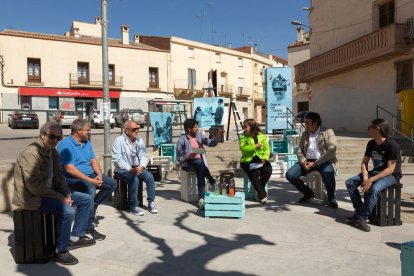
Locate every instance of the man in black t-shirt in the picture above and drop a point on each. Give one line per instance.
(385, 155)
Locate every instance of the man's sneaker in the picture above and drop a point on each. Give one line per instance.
(201, 204)
(92, 233)
(264, 200)
(362, 225)
(352, 219)
(82, 242)
(151, 208)
(65, 258)
(137, 212)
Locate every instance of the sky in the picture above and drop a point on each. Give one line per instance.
(265, 23)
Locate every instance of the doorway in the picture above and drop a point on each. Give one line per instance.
(84, 107)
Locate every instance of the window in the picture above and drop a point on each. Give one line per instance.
(256, 68)
(240, 87)
(386, 14)
(192, 81)
(33, 70)
(404, 75)
(218, 58)
(303, 106)
(53, 103)
(240, 62)
(190, 52)
(114, 105)
(111, 74)
(83, 73)
(153, 77)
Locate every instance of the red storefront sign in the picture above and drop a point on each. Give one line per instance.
(57, 92)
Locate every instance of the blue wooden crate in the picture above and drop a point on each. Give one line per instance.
(290, 159)
(407, 258)
(279, 146)
(249, 189)
(168, 150)
(224, 206)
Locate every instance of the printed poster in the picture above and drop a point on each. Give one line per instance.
(161, 123)
(209, 112)
(278, 90)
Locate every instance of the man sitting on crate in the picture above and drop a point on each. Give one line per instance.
(187, 144)
(130, 158)
(82, 170)
(39, 184)
(316, 152)
(386, 158)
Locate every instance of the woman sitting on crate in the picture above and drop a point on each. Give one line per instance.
(255, 158)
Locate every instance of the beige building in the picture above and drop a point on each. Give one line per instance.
(361, 57)
(49, 72)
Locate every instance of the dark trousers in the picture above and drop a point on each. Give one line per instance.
(258, 177)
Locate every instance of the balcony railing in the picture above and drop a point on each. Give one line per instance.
(243, 92)
(371, 48)
(259, 97)
(94, 81)
(183, 84)
(225, 89)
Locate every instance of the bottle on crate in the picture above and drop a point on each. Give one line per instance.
(232, 187)
(223, 187)
(217, 187)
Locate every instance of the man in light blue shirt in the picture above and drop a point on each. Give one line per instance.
(82, 170)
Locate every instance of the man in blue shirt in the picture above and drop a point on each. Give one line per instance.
(82, 170)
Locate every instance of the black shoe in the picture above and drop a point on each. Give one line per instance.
(82, 242)
(95, 235)
(362, 225)
(65, 258)
(306, 197)
(333, 204)
(352, 219)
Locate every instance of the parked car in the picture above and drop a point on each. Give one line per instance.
(23, 118)
(97, 119)
(65, 118)
(137, 115)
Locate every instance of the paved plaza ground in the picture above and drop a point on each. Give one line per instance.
(280, 238)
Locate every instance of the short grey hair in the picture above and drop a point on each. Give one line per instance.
(126, 123)
(78, 124)
(44, 129)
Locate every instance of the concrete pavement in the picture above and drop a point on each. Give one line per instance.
(280, 238)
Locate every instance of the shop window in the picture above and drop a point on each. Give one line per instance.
(386, 14)
(83, 73)
(404, 75)
(53, 103)
(114, 105)
(33, 70)
(153, 77)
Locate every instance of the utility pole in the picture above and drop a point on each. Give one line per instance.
(106, 103)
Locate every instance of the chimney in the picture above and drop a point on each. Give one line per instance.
(229, 45)
(76, 32)
(125, 34)
(97, 20)
(299, 35)
(136, 38)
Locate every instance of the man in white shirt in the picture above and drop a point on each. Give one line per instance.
(316, 152)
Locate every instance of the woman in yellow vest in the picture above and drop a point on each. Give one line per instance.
(255, 158)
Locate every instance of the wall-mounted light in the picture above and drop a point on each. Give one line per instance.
(298, 23)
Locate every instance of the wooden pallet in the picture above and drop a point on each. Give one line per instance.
(189, 186)
(224, 206)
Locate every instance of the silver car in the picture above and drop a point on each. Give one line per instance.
(65, 118)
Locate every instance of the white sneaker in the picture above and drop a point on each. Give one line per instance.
(137, 212)
(151, 208)
(264, 200)
(201, 204)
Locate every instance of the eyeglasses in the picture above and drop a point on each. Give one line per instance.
(135, 129)
(54, 137)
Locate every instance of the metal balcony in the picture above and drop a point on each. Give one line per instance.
(94, 81)
(372, 48)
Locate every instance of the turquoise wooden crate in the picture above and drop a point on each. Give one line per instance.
(279, 146)
(249, 189)
(168, 150)
(290, 160)
(224, 206)
(407, 258)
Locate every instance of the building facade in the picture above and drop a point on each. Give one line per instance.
(361, 57)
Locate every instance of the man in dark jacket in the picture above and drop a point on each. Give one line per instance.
(39, 184)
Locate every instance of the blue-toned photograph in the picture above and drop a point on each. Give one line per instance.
(161, 123)
(278, 91)
(209, 112)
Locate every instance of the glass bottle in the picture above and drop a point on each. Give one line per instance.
(217, 187)
(223, 187)
(232, 187)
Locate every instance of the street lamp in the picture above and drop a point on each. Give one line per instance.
(298, 23)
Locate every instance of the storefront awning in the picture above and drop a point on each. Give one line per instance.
(57, 92)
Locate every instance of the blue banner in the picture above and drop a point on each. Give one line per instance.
(161, 123)
(209, 112)
(278, 90)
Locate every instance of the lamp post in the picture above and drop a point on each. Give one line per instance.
(298, 23)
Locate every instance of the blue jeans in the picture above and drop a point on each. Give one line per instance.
(202, 172)
(106, 189)
(327, 172)
(65, 215)
(133, 182)
(363, 210)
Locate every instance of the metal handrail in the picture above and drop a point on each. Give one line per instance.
(395, 121)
